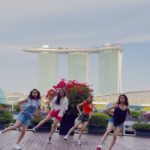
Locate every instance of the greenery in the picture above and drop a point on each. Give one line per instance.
(6, 117)
(17, 107)
(98, 120)
(135, 114)
(4, 107)
(76, 92)
(36, 120)
(141, 126)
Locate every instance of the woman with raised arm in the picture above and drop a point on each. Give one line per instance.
(118, 113)
(83, 118)
(31, 108)
(58, 107)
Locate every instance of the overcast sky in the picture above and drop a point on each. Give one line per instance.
(73, 23)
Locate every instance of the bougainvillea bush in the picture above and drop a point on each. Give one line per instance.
(76, 92)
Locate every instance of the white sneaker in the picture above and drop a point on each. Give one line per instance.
(34, 129)
(17, 147)
(66, 137)
(78, 142)
(49, 140)
(1, 132)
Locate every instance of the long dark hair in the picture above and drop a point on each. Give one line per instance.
(126, 99)
(59, 97)
(32, 97)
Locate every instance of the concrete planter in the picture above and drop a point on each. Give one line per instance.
(96, 130)
(143, 133)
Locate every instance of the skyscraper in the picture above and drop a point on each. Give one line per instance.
(109, 68)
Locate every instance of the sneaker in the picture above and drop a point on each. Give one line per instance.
(66, 137)
(78, 142)
(99, 147)
(49, 140)
(1, 132)
(34, 129)
(17, 147)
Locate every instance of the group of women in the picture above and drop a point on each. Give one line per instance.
(118, 113)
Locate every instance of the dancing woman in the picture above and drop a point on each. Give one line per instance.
(118, 114)
(58, 107)
(83, 118)
(32, 107)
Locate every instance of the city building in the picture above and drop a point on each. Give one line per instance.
(2, 97)
(109, 67)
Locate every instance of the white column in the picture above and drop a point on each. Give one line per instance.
(47, 71)
(78, 66)
(109, 71)
(120, 71)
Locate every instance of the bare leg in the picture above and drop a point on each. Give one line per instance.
(109, 129)
(22, 133)
(82, 129)
(53, 127)
(16, 125)
(46, 119)
(73, 128)
(116, 133)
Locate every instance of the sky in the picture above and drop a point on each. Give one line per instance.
(74, 24)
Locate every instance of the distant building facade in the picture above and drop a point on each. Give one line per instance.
(109, 68)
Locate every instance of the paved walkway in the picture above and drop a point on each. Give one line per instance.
(38, 141)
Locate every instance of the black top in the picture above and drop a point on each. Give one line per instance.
(119, 116)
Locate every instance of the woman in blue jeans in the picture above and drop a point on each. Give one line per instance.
(31, 108)
(118, 114)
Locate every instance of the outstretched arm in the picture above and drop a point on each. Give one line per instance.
(109, 110)
(23, 101)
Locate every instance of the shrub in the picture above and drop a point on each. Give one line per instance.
(36, 120)
(141, 126)
(6, 117)
(17, 107)
(4, 107)
(135, 114)
(98, 120)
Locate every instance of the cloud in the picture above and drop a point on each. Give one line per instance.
(67, 23)
(134, 39)
(17, 8)
(37, 21)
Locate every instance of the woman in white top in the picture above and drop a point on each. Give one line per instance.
(58, 107)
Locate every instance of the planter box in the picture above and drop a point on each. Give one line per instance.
(44, 129)
(96, 130)
(67, 123)
(2, 126)
(143, 133)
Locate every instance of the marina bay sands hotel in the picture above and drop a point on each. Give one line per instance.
(106, 80)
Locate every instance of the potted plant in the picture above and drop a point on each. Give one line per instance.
(142, 129)
(5, 119)
(46, 127)
(135, 115)
(98, 123)
(143, 126)
(76, 92)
